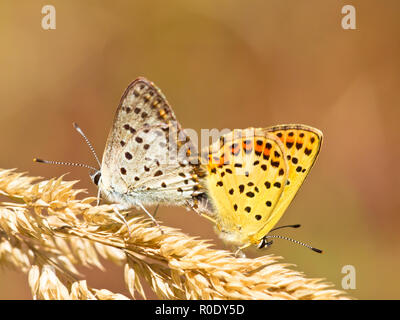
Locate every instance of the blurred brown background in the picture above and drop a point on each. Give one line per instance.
(226, 64)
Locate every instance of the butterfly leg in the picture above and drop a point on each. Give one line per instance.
(200, 213)
(98, 197)
(156, 210)
(123, 219)
(151, 217)
(209, 218)
(239, 252)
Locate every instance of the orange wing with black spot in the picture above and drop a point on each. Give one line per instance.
(301, 145)
(247, 173)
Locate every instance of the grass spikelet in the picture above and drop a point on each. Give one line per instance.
(46, 232)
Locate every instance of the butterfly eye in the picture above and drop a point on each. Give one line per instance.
(261, 244)
(96, 178)
(264, 243)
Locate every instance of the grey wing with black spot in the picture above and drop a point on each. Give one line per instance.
(143, 159)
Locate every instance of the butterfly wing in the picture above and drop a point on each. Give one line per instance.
(247, 173)
(143, 159)
(301, 146)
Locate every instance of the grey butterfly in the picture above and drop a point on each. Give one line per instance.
(148, 159)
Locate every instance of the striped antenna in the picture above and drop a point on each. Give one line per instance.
(64, 163)
(77, 128)
(295, 241)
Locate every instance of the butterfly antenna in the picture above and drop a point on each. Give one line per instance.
(295, 241)
(288, 226)
(72, 164)
(156, 210)
(77, 128)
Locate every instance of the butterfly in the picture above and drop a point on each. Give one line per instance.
(252, 177)
(148, 159)
(143, 163)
